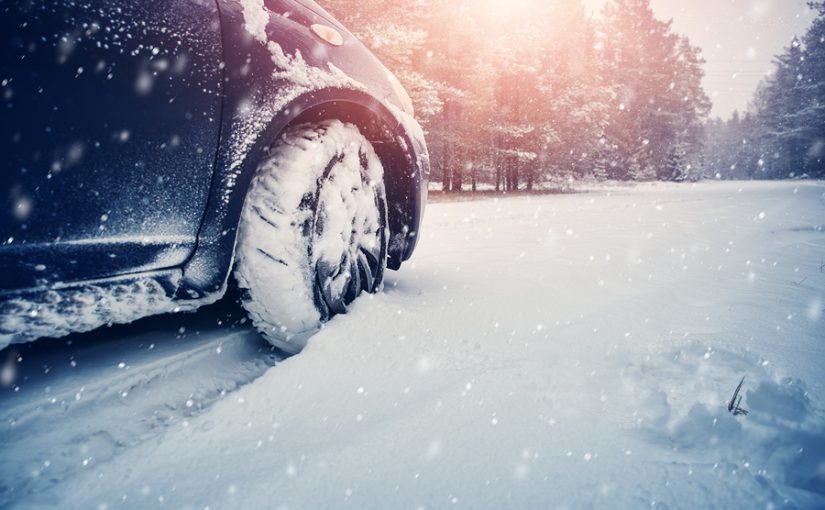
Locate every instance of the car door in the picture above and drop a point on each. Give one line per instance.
(111, 113)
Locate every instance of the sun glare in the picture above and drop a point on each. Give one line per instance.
(508, 8)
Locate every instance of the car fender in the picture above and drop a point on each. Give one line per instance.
(269, 87)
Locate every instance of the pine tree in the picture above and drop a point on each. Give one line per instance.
(689, 107)
(514, 97)
(813, 91)
(575, 100)
(656, 76)
(785, 135)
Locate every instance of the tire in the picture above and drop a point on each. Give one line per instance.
(313, 231)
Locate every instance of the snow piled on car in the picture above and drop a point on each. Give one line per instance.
(291, 76)
(256, 18)
(57, 312)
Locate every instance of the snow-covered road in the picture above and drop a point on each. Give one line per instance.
(569, 351)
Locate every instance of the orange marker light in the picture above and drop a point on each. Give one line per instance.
(328, 34)
(403, 96)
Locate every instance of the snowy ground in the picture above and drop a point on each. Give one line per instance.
(569, 351)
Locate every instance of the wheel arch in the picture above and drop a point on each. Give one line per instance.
(405, 168)
(401, 172)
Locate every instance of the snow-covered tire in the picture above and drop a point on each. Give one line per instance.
(313, 231)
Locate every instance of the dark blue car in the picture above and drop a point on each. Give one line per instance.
(151, 149)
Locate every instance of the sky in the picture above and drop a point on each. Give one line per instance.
(739, 39)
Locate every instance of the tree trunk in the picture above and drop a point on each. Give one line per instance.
(447, 162)
(515, 175)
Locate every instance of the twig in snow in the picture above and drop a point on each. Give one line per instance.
(734, 406)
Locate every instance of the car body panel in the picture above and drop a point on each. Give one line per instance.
(160, 208)
(114, 110)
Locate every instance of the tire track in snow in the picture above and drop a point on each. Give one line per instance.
(79, 401)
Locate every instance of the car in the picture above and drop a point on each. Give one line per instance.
(153, 149)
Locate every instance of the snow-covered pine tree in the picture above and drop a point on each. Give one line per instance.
(813, 91)
(783, 109)
(574, 104)
(689, 107)
(656, 77)
(783, 133)
(584, 96)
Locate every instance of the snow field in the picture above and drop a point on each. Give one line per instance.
(572, 351)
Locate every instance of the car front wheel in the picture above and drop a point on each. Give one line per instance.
(313, 232)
